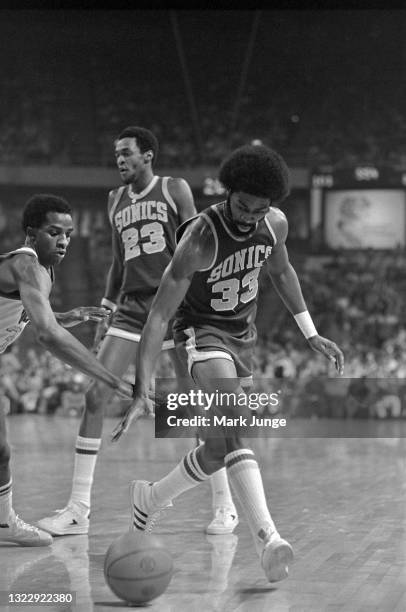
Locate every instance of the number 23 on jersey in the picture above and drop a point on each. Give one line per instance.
(152, 240)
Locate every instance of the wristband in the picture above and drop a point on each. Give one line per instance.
(108, 304)
(305, 323)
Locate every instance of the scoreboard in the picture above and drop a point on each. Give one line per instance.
(363, 207)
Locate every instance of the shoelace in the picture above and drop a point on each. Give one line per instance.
(151, 521)
(67, 508)
(25, 526)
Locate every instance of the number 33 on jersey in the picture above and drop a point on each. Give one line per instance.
(225, 294)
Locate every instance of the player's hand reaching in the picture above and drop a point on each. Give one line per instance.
(329, 349)
(81, 315)
(139, 407)
(125, 389)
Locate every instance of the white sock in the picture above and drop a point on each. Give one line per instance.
(220, 489)
(85, 463)
(6, 495)
(186, 475)
(245, 477)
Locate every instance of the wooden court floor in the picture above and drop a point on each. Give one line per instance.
(341, 502)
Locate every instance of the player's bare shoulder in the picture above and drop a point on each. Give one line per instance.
(177, 186)
(181, 193)
(197, 244)
(112, 198)
(26, 269)
(279, 223)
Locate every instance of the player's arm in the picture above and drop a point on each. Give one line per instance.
(113, 281)
(115, 273)
(182, 195)
(281, 271)
(286, 283)
(195, 251)
(34, 285)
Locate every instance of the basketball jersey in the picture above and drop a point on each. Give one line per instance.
(146, 223)
(13, 317)
(225, 294)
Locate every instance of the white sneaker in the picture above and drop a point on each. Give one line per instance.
(19, 532)
(225, 521)
(276, 557)
(71, 520)
(144, 513)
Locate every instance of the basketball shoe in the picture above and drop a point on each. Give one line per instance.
(144, 513)
(224, 522)
(71, 520)
(19, 532)
(276, 555)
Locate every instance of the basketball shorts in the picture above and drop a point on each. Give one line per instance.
(205, 342)
(130, 317)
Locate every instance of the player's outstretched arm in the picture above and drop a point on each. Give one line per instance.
(286, 282)
(194, 252)
(34, 285)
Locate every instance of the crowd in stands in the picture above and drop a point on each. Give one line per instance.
(355, 299)
(65, 105)
(306, 136)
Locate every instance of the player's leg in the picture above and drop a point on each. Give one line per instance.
(244, 475)
(12, 528)
(225, 517)
(115, 354)
(148, 499)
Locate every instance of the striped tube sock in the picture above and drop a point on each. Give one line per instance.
(245, 478)
(220, 489)
(6, 494)
(186, 475)
(85, 462)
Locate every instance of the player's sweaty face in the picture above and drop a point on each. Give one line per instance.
(129, 159)
(53, 237)
(247, 210)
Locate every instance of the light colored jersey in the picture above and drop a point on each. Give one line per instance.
(13, 317)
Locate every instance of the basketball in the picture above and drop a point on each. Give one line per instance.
(137, 567)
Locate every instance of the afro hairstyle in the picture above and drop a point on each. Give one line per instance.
(257, 170)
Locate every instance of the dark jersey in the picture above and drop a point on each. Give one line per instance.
(225, 294)
(146, 223)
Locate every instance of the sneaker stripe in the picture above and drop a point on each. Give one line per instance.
(143, 514)
(139, 520)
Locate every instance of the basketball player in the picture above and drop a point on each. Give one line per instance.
(212, 284)
(144, 214)
(26, 277)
